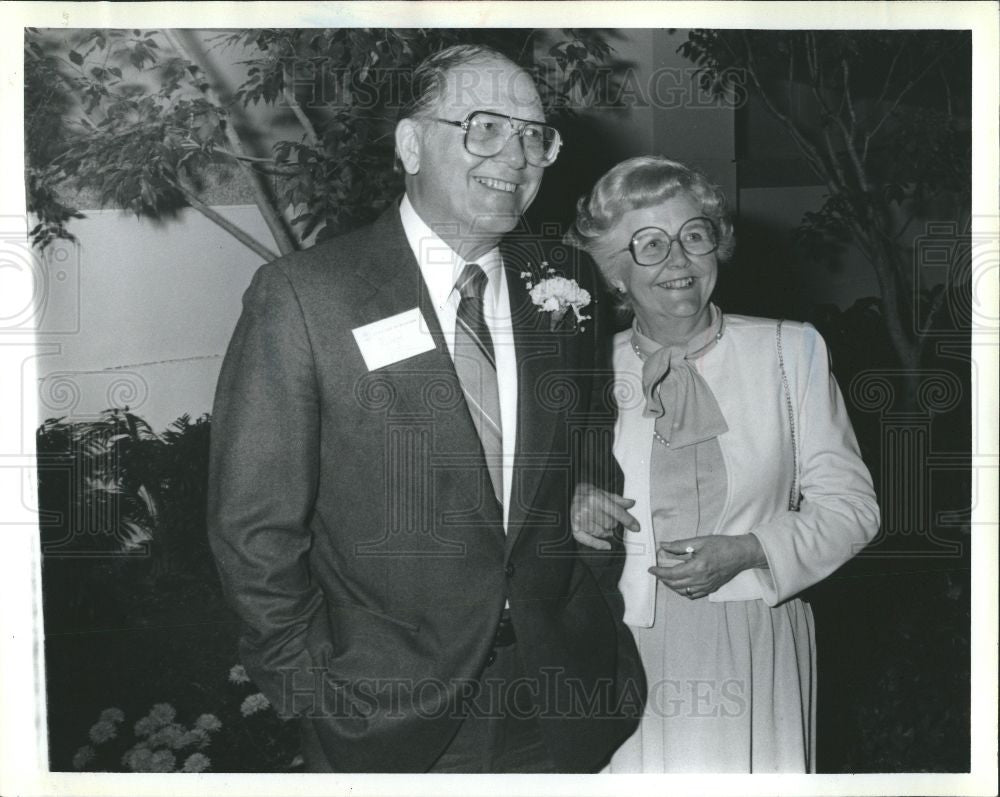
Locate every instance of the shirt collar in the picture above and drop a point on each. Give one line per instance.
(439, 264)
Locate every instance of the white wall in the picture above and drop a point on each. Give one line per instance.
(143, 315)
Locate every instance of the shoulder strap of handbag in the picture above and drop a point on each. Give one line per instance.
(794, 496)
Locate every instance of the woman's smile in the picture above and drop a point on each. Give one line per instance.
(681, 283)
(670, 299)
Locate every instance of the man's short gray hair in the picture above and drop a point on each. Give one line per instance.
(428, 82)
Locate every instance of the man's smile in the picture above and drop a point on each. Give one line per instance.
(497, 185)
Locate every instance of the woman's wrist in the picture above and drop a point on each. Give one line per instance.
(754, 556)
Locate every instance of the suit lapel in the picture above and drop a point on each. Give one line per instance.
(538, 353)
(394, 276)
(392, 273)
(426, 387)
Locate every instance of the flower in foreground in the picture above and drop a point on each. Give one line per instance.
(162, 713)
(238, 675)
(208, 722)
(101, 731)
(195, 736)
(162, 761)
(83, 756)
(112, 715)
(253, 704)
(159, 715)
(167, 736)
(558, 293)
(144, 727)
(555, 294)
(196, 762)
(138, 759)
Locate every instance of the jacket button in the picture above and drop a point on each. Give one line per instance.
(509, 570)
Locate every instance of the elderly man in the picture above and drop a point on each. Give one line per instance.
(398, 434)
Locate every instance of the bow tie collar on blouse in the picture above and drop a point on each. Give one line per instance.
(676, 394)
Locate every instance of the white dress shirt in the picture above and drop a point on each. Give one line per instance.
(441, 267)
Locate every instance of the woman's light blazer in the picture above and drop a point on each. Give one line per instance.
(838, 514)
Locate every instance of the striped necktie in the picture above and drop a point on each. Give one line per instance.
(475, 363)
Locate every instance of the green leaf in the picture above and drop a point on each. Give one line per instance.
(75, 57)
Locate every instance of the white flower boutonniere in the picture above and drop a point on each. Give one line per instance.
(555, 294)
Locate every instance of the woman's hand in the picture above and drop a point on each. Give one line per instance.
(596, 513)
(709, 562)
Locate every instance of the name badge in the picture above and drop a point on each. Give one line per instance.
(392, 339)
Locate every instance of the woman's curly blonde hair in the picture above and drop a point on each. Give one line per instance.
(643, 182)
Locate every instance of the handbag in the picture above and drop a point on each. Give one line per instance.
(794, 493)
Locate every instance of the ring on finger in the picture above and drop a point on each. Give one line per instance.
(687, 590)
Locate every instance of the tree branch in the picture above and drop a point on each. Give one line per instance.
(271, 217)
(909, 85)
(947, 92)
(835, 166)
(812, 155)
(885, 90)
(289, 95)
(847, 98)
(524, 47)
(890, 289)
(791, 74)
(816, 61)
(888, 75)
(236, 231)
(816, 84)
(852, 151)
(848, 133)
(810, 48)
(277, 168)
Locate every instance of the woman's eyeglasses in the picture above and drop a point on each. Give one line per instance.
(650, 246)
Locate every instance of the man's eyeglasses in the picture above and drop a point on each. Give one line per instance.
(650, 246)
(487, 133)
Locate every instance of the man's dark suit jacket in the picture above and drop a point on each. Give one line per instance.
(353, 522)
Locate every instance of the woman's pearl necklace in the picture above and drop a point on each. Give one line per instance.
(689, 355)
(638, 353)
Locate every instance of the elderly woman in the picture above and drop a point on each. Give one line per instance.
(746, 479)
